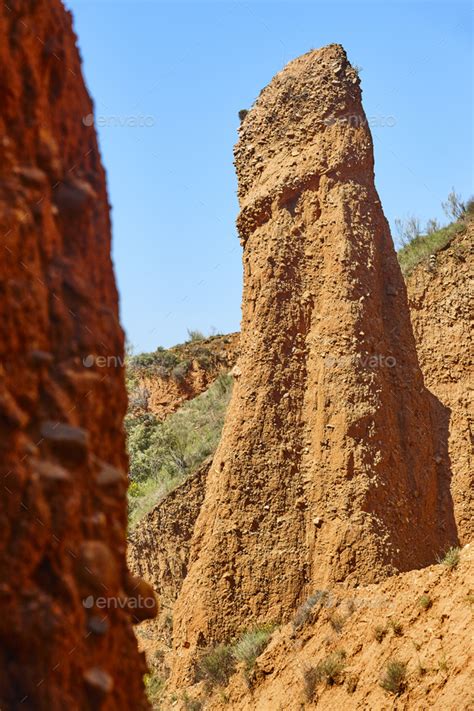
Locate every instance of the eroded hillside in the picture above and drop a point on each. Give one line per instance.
(160, 382)
(433, 607)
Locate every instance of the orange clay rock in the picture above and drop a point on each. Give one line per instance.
(441, 311)
(67, 600)
(328, 469)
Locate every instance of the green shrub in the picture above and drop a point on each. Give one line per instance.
(397, 628)
(451, 558)
(216, 666)
(417, 246)
(379, 632)
(195, 335)
(328, 671)
(251, 644)
(204, 356)
(154, 684)
(425, 602)
(180, 371)
(421, 246)
(393, 679)
(162, 357)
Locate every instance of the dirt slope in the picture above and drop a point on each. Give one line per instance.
(424, 619)
(328, 469)
(63, 462)
(440, 293)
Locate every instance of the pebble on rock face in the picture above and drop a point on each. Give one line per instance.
(109, 475)
(64, 433)
(98, 625)
(51, 471)
(98, 681)
(97, 567)
(67, 440)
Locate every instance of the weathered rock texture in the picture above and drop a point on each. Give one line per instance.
(158, 550)
(328, 469)
(62, 454)
(440, 297)
(162, 390)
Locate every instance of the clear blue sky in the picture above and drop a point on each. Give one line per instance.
(168, 80)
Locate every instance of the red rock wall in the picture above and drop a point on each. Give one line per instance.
(62, 454)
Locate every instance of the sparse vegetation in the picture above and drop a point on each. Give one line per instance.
(195, 335)
(408, 229)
(451, 558)
(154, 684)
(161, 358)
(163, 454)
(379, 632)
(330, 669)
(192, 704)
(393, 679)
(418, 244)
(396, 627)
(217, 665)
(251, 645)
(454, 208)
(425, 602)
(180, 371)
(172, 363)
(422, 246)
(336, 620)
